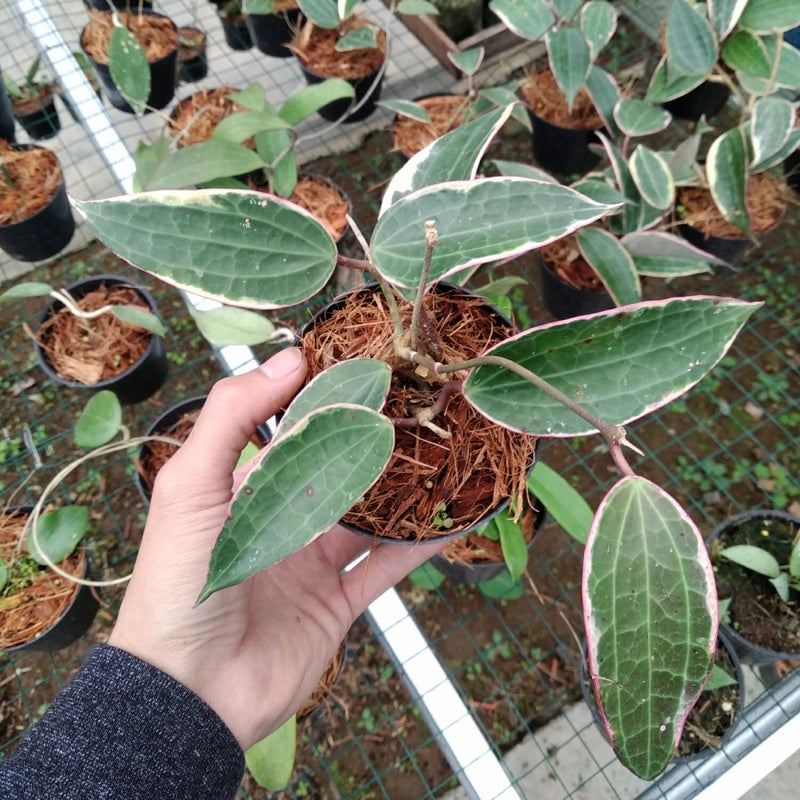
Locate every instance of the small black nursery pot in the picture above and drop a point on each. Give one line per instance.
(272, 32)
(236, 33)
(563, 300)
(192, 55)
(6, 114)
(39, 118)
(564, 151)
(708, 98)
(367, 89)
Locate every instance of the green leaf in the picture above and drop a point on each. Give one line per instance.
(477, 221)
(570, 60)
(744, 52)
(719, 679)
(683, 159)
(787, 74)
(138, 316)
(691, 46)
(323, 13)
(59, 533)
(303, 484)
(345, 7)
(665, 86)
(26, 289)
(250, 451)
(598, 23)
(724, 15)
(149, 159)
(201, 162)
(129, 68)
(227, 325)
(794, 561)
(530, 19)
(304, 102)
(415, 7)
(407, 108)
(357, 381)
(3, 574)
(468, 61)
(650, 620)
(517, 170)
(753, 558)
(242, 248)
(612, 262)
(426, 576)
(727, 174)
(512, 543)
(358, 38)
(258, 6)
(251, 98)
(640, 118)
(566, 9)
(770, 127)
(243, 124)
(661, 349)
(452, 157)
(665, 255)
(276, 149)
(634, 208)
(605, 94)
(652, 177)
(792, 143)
(100, 420)
(560, 498)
(766, 16)
(501, 286)
(599, 191)
(502, 587)
(271, 760)
(781, 584)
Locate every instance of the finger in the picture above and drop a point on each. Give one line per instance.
(233, 409)
(342, 546)
(383, 567)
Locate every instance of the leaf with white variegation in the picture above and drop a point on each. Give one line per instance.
(242, 248)
(358, 381)
(649, 607)
(745, 52)
(452, 157)
(599, 191)
(530, 19)
(323, 13)
(407, 108)
(632, 211)
(727, 173)
(662, 348)
(784, 61)
(640, 118)
(792, 143)
(666, 86)
(770, 127)
(468, 61)
(518, 170)
(477, 221)
(570, 59)
(358, 38)
(691, 46)
(129, 68)
(724, 15)
(612, 263)
(652, 177)
(345, 7)
(605, 94)
(300, 486)
(598, 23)
(665, 255)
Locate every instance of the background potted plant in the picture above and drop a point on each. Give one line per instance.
(272, 24)
(426, 232)
(192, 55)
(34, 103)
(99, 333)
(234, 26)
(6, 114)
(35, 216)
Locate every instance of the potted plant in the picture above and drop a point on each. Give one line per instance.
(39, 608)
(272, 25)
(36, 220)
(234, 25)
(34, 103)
(192, 58)
(335, 42)
(572, 98)
(99, 333)
(553, 380)
(6, 114)
(134, 56)
(756, 557)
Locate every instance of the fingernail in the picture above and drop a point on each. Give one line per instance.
(283, 364)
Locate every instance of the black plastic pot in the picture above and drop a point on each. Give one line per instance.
(480, 571)
(564, 151)
(729, 248)
(141, 379)
(195, 67)
(44, 233)
(163, 74)
(236, 33)
(102, 5)
(272, 32)
(6, 116)
(41, 122)
(722, 642)
(739, 529)
(73, 622)
(164, 423)
(564, 301)
(442, 287)
(791, 168)
(459, 19)
(367, 89)
(708, 98)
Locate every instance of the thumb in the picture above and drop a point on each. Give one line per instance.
(230, 415)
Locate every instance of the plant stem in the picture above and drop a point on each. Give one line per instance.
(63, 297)
(431, 240)
(425, 417)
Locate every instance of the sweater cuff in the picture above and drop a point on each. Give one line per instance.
(128, 730)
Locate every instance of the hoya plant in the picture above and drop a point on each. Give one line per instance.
(649, 600)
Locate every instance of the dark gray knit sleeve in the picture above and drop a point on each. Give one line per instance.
(123, 729)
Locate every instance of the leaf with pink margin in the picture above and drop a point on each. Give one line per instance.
(650, 613)
(619, 364)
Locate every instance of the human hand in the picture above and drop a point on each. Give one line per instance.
(254, 652)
